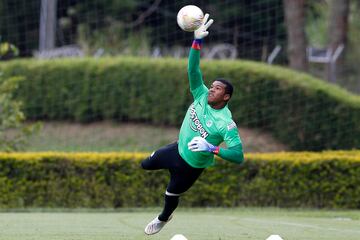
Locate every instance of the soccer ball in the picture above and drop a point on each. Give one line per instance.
(178, 237)
(190, 18)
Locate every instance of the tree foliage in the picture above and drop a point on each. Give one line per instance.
(254, 23)
(13, 131)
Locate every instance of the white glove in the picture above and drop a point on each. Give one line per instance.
(199, 144)
(201, 32)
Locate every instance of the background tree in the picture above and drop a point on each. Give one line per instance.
(295, 26)
(250, 26)
(11, 117)
(48, 22)
(13, 130)
(337, 33)
(19, 24)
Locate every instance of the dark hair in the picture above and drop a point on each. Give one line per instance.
(228, 86)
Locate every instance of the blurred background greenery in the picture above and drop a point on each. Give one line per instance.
(277, 32)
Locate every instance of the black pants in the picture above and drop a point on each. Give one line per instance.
(182, 175)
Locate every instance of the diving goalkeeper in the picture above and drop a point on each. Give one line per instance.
(208, 122)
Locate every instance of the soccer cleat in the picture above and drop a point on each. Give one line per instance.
(155, 226)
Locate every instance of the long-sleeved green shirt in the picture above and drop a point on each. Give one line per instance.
(214, 125)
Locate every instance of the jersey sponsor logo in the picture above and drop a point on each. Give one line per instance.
(231, 126)
(195, 123)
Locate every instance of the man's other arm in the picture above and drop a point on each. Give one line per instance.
(233, 154)
(194, 72)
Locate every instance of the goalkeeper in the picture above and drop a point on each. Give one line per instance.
(207, 123)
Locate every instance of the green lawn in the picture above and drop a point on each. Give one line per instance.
(108, 136)
(206, 224)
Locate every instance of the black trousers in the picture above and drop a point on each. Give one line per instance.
(182, 175)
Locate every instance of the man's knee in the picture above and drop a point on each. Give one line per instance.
(171, 194)
(147, 163)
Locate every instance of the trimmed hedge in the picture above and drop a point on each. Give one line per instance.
(299, 110)
(98, 180)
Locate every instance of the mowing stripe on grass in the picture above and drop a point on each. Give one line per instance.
(199, 224)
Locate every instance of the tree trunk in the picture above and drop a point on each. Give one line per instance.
(295, 26)
(337, 34)
(47, 36)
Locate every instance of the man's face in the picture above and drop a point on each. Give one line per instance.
(217, 93)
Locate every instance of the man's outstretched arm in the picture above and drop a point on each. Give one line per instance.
(233, 154)
(194, 72)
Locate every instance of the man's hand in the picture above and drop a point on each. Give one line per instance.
(199, 144)
(202, 32)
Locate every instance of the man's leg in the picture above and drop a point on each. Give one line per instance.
(183, 177)
(160, 159)
(171, 203)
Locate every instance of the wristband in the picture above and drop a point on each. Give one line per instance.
(216, 150)
(196, 44)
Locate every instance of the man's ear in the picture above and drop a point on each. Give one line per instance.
(226, 97)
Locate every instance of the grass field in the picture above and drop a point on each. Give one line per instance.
(197, 224)
(108, 136)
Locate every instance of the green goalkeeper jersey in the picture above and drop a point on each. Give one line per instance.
(214, 125)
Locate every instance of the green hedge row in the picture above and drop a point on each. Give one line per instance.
(111, 180)
(301, 111)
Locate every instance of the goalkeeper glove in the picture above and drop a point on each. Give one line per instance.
(199, 144)
(201, 32)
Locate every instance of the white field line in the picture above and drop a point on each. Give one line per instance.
(301, 225)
